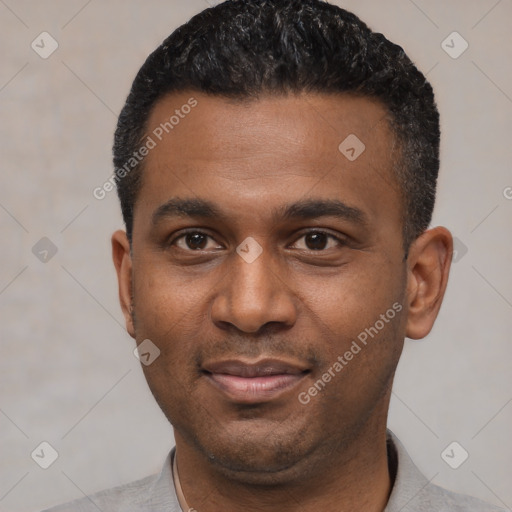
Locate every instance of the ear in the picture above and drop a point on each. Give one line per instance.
(428, 268)
(123, 263)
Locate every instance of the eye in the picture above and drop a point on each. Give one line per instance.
(194, 241)
(319, 241)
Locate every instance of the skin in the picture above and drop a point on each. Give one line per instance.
(304, 299)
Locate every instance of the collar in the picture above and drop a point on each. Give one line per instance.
(177, 486)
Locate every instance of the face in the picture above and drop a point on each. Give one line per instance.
(262, 258)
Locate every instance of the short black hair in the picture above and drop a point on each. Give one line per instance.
(243, 49)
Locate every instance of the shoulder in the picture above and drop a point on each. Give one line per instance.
(151, 494)
(412, 492)
(128, 497)
(435, 498)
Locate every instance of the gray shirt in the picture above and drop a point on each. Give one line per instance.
(412, 492)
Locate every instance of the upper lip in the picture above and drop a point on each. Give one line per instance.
(260, 368)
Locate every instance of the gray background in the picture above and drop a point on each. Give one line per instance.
(68, 375)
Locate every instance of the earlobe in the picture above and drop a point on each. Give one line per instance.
(123, 264)
(428, 270)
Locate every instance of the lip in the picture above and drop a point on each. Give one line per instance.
(254, 382)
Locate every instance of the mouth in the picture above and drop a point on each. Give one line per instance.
(254, 382)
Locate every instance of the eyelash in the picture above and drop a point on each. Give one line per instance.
(183, 234)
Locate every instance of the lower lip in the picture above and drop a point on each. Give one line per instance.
(254, 389)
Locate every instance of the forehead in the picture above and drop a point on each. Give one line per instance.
(269, 150)
(281, 123)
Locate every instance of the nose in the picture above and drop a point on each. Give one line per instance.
(252, 295)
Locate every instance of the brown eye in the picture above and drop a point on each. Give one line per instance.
(319, 241)
(316, 241)
(194, 241)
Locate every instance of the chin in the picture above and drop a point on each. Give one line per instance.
(258, 456)
(253, 471)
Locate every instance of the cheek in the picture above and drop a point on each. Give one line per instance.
(163, 297)
(165, 312)
(171, 310)
(353, 299)
(362, 316)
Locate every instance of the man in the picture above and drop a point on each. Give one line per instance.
(276, 163)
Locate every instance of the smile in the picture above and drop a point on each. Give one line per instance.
(251, 383)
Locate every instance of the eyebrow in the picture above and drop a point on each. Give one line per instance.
(301, 210)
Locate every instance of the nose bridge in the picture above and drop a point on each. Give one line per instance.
(253, 292)
(254, 278)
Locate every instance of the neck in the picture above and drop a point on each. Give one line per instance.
(352, 476)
